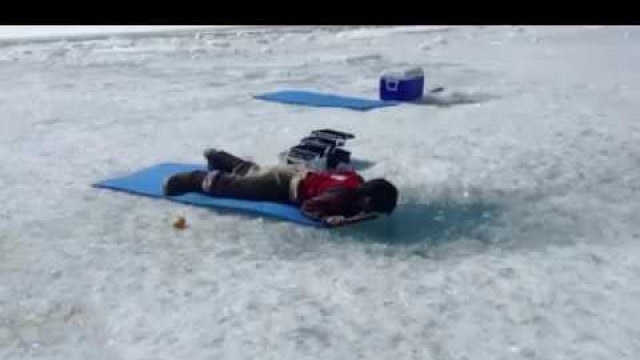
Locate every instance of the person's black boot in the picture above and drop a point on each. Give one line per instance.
(182, 183)
(222, 160)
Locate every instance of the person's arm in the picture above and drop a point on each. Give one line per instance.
(338, 220)
(331, 207)
(329, 203)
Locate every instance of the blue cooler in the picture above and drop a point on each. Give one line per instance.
(402, 85)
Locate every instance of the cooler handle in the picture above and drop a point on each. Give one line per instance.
(391, 85)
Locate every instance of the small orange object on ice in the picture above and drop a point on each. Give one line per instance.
(180, 222)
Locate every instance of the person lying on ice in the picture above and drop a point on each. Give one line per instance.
(334, 197)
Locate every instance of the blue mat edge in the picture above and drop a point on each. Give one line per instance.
(379, 103)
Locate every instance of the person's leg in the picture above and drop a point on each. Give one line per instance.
(270, 184)
(260, 186)
(226, 162)
(185, 182)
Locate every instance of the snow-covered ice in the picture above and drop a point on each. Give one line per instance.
(47, 32)
(516, 237)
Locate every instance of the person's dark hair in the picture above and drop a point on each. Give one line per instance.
(383, 194)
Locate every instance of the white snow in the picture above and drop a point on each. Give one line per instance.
(517, 236)
(22, 32)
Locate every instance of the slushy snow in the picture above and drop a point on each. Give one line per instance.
(516, 236)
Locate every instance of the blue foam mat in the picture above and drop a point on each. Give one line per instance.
(311, 98)
(148, 182)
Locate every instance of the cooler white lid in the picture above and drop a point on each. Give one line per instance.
(403, 74)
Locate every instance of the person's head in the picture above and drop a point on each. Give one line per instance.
(378, 195)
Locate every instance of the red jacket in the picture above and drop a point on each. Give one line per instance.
(317, 182)
(328, 193)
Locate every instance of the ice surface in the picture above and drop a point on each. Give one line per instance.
(516, 236)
